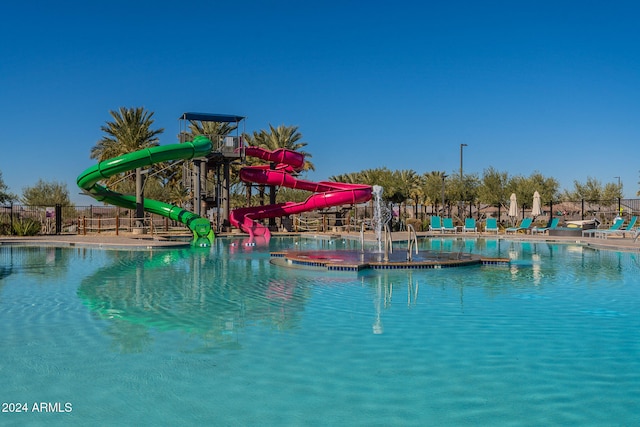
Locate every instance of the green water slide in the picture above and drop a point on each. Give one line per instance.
(199, 147)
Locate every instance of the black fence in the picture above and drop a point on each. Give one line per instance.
(46, 220)
(18, 219)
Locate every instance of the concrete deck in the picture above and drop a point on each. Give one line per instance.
(147, 241)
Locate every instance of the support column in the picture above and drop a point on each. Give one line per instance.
(195, 185)
(203, 188)
(272, 198)
(139, 202)
(226, 184)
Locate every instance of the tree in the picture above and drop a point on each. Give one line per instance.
(493, 187)
(46, 194)
(432, 188)
(546, 187)
(210, 128)
(406, 185)
(5, 196)
(591, 191)
(284, 137)
(130, 131)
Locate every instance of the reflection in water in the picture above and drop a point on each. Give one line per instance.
(215, 294)
(384, 296)
(189, 291)
(35, 261)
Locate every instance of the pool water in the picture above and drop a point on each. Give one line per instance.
(219, 336)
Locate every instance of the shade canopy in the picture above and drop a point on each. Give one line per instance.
(536, 209)
(513, 206)
(207, 117)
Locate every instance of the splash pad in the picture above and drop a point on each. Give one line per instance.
(383, 258)
(350, 260)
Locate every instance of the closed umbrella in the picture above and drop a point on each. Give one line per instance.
(513, 206)
(536, 209)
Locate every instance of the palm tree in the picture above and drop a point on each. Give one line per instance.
(130, 131)
(348, 178)
(284, 137)
(210, 128)
(407, 182)
(433, 183)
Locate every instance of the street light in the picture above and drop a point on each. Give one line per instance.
(619, 192)
(461, 205)
(461, 145)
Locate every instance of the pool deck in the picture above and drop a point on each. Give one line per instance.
(147, 241)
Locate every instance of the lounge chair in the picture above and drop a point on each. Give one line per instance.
(628, 229)
(447, 225)
(553, 224)
(435, 224)
(592, 232)
(524, 226)
(469, 226)
(491, 225)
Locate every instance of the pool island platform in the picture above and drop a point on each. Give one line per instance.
(350, 260)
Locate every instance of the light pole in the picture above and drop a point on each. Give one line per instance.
(461, 146)
(461, 182)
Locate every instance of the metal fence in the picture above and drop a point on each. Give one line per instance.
(16, 218)
(45, 220)
(567, 210)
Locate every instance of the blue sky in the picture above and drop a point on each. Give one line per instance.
(545, 86)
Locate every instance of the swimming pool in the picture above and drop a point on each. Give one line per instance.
(220, 336)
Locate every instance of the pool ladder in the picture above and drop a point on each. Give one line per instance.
(388, 243)
(412, 241)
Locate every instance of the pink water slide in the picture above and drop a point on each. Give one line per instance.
(326, 194)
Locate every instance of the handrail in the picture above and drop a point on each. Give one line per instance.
(388, 243)
(362, 226)
(411, 242)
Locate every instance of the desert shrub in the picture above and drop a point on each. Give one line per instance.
(417, 224)
(26, 227)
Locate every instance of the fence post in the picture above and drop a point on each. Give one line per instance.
(84, 225)
(58, 219)
(11, 219)
(619, 209)
(118, 223)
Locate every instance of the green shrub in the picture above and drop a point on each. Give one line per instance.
(417, 224)
(26, 227)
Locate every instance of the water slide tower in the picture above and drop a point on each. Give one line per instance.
(208, 178)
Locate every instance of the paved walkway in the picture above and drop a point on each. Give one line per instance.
(99, 240)
(146, 241)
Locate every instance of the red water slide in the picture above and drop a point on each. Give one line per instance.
(326, 194)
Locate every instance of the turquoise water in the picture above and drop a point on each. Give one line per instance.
(221, 337)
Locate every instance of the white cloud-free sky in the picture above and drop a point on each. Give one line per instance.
(546, 86)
